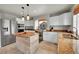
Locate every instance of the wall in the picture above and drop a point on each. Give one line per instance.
(13, 26)
(36, 24)
(62, 27)
(37, 18)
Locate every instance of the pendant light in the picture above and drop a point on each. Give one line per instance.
(28, 17)
(23, 18)
(22, 13)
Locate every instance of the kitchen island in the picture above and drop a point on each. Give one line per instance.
(27, 42)
(63, 39)
(52, 36)
(65, 43)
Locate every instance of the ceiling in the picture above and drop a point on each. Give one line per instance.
(35, 9)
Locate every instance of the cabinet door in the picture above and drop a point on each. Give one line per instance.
(68, 18)
(50, 36)
(29, 23)
(57, 20)
(54, 20)
(60, 20)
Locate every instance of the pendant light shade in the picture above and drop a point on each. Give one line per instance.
(28, 18)
(23, 18)
(22, 13)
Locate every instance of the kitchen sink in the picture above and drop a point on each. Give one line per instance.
(69, 36)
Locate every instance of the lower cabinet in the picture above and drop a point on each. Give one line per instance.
(50, 37)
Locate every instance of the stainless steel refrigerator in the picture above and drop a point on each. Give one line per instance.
(7, 31)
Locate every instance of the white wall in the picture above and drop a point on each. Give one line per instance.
(13, 26)
(36, 24)
(62, 27)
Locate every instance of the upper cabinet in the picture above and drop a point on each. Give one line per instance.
(54, 20)
(63, 19)
(68, 18)
(29, 23)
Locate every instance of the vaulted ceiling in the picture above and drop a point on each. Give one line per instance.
(35, 9)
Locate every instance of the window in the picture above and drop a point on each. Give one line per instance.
(76, 24)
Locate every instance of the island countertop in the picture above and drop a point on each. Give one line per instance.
(25, 34)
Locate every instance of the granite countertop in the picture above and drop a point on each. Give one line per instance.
(64, 31)
(25, 34)
(66, 34)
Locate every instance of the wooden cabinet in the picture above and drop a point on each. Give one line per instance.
(27, 44)
(65, 45)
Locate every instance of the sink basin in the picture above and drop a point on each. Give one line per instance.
(69, 36)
